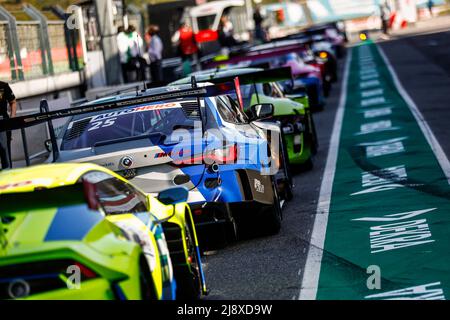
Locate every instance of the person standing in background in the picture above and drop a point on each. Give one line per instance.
(430, 5)
(384, 16)
(155, 50)
(187, 47)
(226, 32)
(123, 46)
(258, 19)
(136, 49)
(7, 97)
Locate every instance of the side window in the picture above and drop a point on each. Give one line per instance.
(277, 92)
(116, 196)
(226, 112)
(240, 115)
(267, 89)
(271, 90)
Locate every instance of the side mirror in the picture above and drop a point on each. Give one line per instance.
(48, 145)
(261, 111)
(173, 196)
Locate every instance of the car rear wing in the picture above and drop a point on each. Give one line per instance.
(160, 94)
(266, 51)
(263, 76)
(143, 97)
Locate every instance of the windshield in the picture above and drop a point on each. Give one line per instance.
(206, 22)
(151, 119)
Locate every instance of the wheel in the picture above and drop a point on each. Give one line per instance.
(188, 278)
(272, 215)
(289, 183)
(148, 290)
(326, 88)
(314, 140)
(231, 229)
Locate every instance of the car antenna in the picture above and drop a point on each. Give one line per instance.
(195, 86)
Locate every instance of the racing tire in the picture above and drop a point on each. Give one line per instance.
(314, 140)
(272, 215)
(147, 286)
(326, 88)
(188, 277)
(288, 191)
(232, 230)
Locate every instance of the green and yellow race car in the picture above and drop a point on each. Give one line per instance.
(80, 231)
(291, 111)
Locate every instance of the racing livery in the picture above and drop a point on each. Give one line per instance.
(225, 160)
(57, 220)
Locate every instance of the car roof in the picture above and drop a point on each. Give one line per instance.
(45, 176)
(214, 7)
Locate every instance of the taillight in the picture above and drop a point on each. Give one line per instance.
(226, 155)
(85, 271)
(323, 55)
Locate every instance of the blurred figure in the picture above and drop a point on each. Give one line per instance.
(125, 57)
(258, 19)
(136, 49)
(384, 16)
(155, 50)
(187, 47)
(7, 97)
(226, 32)
(187, 44)
(430, 5)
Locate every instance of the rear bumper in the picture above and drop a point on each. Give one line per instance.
(97, 289)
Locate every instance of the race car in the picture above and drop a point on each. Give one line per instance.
(305, 75)
(80, 231)
(331, 34)
(184, 136)
(315, 75)
(292, 112)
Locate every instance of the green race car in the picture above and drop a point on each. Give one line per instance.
(291, 111)
(80, 231)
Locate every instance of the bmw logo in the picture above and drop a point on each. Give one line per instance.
(127, 161)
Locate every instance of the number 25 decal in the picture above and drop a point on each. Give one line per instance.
(102, 124)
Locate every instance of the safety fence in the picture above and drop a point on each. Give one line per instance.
(36, 44)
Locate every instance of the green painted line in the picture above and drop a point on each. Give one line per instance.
(389, 215)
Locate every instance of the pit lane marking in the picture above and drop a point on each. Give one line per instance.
(424, 127)
(310, 281)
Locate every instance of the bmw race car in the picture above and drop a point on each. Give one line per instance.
(184, 136)
(81, 226)
(292, 112)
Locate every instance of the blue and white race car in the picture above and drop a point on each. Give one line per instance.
(193, 136)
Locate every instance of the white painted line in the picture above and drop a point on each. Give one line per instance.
(426, 130)
(310, 281)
